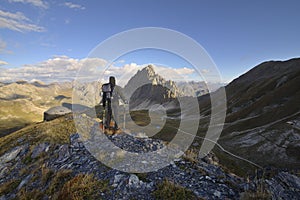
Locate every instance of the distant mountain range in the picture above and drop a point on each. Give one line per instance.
(147, 87)
(49, 160)
(23, 103)
(193, 88)
(262, 123)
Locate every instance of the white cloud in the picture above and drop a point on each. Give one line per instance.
(175, 74)
(74, 6)
(124, 73)
(56, 69)
(204, 71)
(15, 16)
(17, 22)
(37, 3)
(121, 61)
(64, 68)
(3, 63)
(184, 71)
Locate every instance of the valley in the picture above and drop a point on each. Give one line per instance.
(256, 152)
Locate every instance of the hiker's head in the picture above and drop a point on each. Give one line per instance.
(112, 80)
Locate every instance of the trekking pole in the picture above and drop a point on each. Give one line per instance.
(124, 117)
(103, 119)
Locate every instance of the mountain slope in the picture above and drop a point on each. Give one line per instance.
(23, 103)
(49, 161)
(263, 116)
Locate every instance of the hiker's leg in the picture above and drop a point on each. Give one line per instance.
(116, 114)
(109, 113)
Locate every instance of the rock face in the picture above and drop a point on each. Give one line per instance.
(56, 112)
(147, 88)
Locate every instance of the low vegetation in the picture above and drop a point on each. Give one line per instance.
(57, 131)
(83, 186)
(23, 103)
(169, 190)
(261, 193)
(9, 186)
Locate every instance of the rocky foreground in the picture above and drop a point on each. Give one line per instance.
(47, 170)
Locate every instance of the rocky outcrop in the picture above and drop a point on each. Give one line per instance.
(284, 186)
(204, 180)
(56, 112)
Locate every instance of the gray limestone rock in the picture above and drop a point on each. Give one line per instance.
(56, 112)
(43, 147)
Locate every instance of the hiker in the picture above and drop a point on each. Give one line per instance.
(111, 93)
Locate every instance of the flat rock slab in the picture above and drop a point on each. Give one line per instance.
(56, 112)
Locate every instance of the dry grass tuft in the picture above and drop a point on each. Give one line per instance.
(58, 180)
(169, 190)
(29, 195)
(82, 186)
(260, 193)
(9, 186)
(191, 155)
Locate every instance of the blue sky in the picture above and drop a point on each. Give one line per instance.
(236, 34)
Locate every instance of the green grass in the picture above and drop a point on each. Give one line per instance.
(9, 186)
(29, 195)
(260, 193)
(16, 113)
(83, 186)
(57, 181)
(57, 131)
(140, 117)
(169, 190)
(233, 165)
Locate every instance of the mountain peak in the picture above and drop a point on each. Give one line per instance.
(148, 72)
(149, 69)
(148, 86)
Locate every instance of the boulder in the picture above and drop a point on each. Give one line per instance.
(56, 112)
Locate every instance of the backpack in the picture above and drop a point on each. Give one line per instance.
(107, 92)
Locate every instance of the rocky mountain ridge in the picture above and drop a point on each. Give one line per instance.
(148, 76)
(146, 88)
(61, 168)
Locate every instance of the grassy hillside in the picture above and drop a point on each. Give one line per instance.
(263, 116)
(23, 103)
